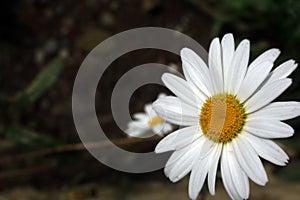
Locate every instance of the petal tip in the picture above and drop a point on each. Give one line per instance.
(160, 148)
(228, 36)
(165, 76)
(184, 51)
(246, 43)
(277, 51)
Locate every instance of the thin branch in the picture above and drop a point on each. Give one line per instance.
(74, 147)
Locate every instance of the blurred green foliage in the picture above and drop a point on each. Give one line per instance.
(40, 84)
(15, 136)
(23, 138)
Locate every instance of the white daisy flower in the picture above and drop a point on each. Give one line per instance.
(227, 109)
(148, 123)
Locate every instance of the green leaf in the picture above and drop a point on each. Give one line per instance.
(27, 138)
(41, 83)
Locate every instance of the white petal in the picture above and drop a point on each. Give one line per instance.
(182, 89)
(167, 128)
(270, 55)
(134, 133)
(139, 132)
(207, 147)
(197, 177)
(227, 54)
(267, 94)
(149, 111)
(177, 156)
(213, 165)
(268, 128)
(158, 128)
(237, 71)
(215, 65)
(138, 124)
(196, 71)
(161, 95)
(175, 111)
(278, 111)
(249, 160)
(282, 71)
(184, 164)
(226, 176)
(240, 180)
(178, 139)
(253, 79)
(140, 116)
(267, 149)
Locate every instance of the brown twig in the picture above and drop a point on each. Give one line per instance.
(60, 149)
(73, 147)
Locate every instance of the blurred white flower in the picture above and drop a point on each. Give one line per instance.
(227, 109)
(148, 123)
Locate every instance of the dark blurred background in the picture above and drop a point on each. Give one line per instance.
(42, 45)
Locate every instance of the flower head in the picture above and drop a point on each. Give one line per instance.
(228, 117)
(145, 124)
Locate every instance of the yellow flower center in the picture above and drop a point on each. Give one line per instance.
(222, 118)
(155, 120)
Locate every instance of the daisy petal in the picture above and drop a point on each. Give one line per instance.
(227, 54)
(268, 128)
(215, 65)
(253, 79)
(206, 147)
(139, 132)
(178, 139)
(241, 182)
(140, 116)
(249, 160)
(282, 71)
(267, 149)
(226, 176)
(149, 111)
(270, 55)
(175, 111)
(184, 164)
(182, 89)
(237, 71)
(267, 94)
(178, 156)
(167, 127)
(213, 165)
(278, 111)
(161, 95)
(158, 128)
(137, 124)
(196, 71)
(197, 177)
